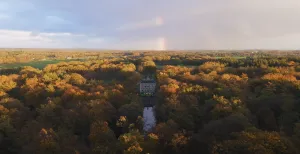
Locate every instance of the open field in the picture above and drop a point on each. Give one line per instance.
(235, 57)
(189, 66)
(35, 64)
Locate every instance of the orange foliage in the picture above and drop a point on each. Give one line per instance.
(279, 77)
(170, 88)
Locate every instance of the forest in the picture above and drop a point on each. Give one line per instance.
(208, 102)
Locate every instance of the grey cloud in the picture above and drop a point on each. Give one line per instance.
(191, 24)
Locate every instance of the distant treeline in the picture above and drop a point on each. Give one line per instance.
(27, 55)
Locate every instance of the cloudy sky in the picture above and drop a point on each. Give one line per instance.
(150, 24)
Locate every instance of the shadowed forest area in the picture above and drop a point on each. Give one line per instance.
(208, 102)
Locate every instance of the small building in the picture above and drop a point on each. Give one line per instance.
(147, 86)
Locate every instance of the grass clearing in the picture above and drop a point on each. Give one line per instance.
(35, 64)
(235, 57)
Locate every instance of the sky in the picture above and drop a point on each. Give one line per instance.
(150, 25)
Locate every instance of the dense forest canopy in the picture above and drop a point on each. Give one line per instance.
(26, 55)
(208, 102)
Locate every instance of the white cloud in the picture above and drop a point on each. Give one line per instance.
(12, 38)
(287, 41)
(61, 35)
(4, 16)
(234, 24)
(171, 24)
(95, 40)
(155, 22)
(135, 44)
(56, 20)
(28, 39)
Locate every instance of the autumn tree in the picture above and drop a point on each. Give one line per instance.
(254, 142)
(102, 138)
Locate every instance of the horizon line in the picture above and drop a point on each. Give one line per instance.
(99, 49)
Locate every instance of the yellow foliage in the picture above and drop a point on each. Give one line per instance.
(279, 77)
(179, 140)
(170, 88)
(212, 66)
(230, 77)
(122, 121)
(135, 149)
(153, 136)
(3, 94)
(7, 83)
